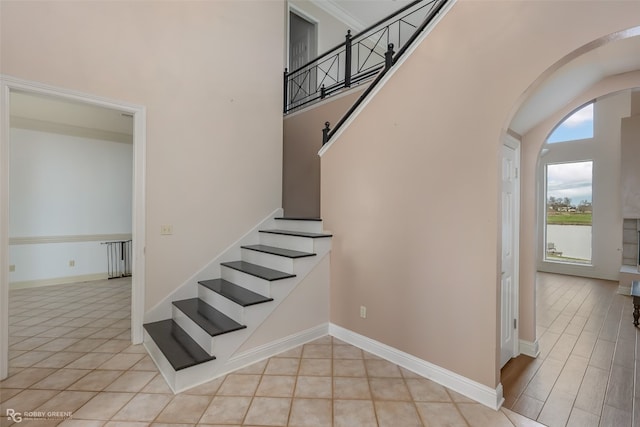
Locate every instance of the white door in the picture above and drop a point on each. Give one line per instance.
(509, 279)
(300, 41)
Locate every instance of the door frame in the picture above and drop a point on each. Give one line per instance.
(8, 84)
(514, 144)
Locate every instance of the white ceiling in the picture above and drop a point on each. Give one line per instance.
(359, 14)
(41, 108)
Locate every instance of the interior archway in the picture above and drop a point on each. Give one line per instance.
(532, 144)
(602, 67)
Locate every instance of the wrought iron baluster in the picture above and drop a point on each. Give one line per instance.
(326, 73)
(299, 85)
(388, 56)
(347, 59)
(373, 49)
(325, 133)
(286, 91)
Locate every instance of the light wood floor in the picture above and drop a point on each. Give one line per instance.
(586, 374)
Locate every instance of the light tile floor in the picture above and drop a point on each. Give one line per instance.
(70, 354)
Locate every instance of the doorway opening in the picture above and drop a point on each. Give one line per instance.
(136, 116)
(303, 47)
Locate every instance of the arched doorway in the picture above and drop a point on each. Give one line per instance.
(600, 68)
(538, 113)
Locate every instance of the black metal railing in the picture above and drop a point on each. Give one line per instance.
(435, 7)
(360, 57)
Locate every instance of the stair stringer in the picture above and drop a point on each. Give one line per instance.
(254, 316)
(305, 309)
(189, 288)
(230, 350)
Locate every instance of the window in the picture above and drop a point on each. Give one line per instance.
(578, 125)
(568, 212)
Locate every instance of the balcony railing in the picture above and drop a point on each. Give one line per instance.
(360, 57)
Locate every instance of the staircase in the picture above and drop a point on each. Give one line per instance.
(200, 340)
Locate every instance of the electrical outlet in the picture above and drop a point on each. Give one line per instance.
(12, 268)
(363, 311)
(72, 263)
(166, 230)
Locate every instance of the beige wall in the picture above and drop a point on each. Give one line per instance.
(635, 102)
(210, 76)
(411, 188)
(301, 164)
(532, 143)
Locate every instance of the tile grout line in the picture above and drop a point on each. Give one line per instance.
(373, 402)
(413, 400)
(604, 400)
(455, 404)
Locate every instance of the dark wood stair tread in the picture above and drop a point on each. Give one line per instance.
(177, 346)
(296, 233)
(295, 218)
(288, 253)
(258, 270)
(208, 318)
(241, 296)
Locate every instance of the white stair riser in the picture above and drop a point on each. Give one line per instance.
(297, 225)
(253, 283)
(321, 246)
(274, 262)
(296, 243)
(188, 377)
(160, 360)
(199, 374)
(220, 303)
(192, 329)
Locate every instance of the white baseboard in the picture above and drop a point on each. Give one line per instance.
(624, 290)
(479, 392)
(57, 281)
(528, 348)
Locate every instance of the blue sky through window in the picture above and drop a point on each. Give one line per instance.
(577, 126)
